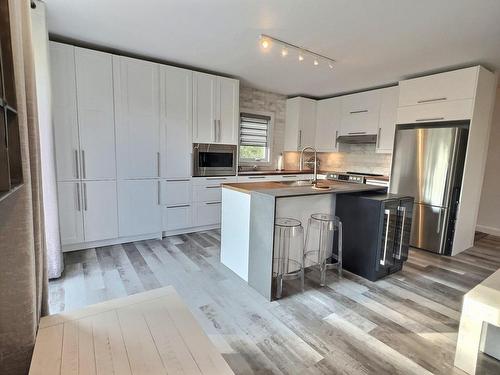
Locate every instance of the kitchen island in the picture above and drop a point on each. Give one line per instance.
(248, 215)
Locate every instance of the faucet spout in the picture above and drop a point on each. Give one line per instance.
(315, 169)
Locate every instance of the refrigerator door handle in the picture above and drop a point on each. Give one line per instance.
(401, 237)
(438, 229)
(387, 213)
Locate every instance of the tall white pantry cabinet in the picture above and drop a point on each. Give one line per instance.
(123, 138)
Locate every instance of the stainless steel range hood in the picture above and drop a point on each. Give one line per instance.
(357, 138)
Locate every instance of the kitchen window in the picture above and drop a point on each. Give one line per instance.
(255, 137)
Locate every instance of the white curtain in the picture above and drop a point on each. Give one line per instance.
(40, 40)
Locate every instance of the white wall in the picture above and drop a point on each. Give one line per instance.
(489, 209)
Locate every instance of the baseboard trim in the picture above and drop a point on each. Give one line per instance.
(112, 241)
(489, 230)
(190, 230)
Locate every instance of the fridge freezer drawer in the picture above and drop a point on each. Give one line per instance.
(428, 229)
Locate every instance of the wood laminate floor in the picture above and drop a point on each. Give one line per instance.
(404, 324)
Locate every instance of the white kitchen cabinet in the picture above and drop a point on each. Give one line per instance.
(436, 112)
(70, 212)
(208, 213)
(328, 116)
(300, 123)
(87, 211)
(137, 108)
(64, 114)
(360, 113)
(100, 213)
(387, 119)
(216, 109)
(177, 217)
(139, 207)
(175, 192)
(177, 121)
(229, 108)
(94, 92)
(439, 88)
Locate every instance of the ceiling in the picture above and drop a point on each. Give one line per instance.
(375, 43)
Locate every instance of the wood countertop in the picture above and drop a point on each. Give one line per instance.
(281, 189)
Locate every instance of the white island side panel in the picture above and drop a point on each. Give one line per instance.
(235, 231)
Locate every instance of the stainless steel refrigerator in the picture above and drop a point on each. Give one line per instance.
(427, 164)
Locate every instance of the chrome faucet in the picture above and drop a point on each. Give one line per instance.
(301, 163)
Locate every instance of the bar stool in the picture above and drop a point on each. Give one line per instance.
(318, 247)
(288, 252)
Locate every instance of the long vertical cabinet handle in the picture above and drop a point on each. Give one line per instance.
(158, 161)
(215, 130)
(403, 210)
(78, 207)
(336, 136)
(159, 193)
(77, 165)
(378, 137)
(84, 167)
(388, 214)
(85, 196)
(300, 139)
(218, 131)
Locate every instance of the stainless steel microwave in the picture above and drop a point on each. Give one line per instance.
(214, 159)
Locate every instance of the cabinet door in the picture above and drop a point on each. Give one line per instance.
(177, 124)
(387, 120)
(176, 192)
(307, 122)
(177, 217)
(229, 106)
(70, 212)
(94, 91)
(436, 112)
(137, 103)
(205, 87)
(64, 114)
(100, 212)
(360, 113)
(139, 210)
(442, 87)
(327, 124)
(208, 213)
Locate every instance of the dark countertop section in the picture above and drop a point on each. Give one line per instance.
(280, 189)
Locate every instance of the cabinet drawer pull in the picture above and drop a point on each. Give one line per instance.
(255, 177)
(212, 187)
(213, 203)
(179, 206)
(216, 178)
(353, 133)
(360, 111)
(430, 119)
(289, 176)
(180, 180)
(431, 100)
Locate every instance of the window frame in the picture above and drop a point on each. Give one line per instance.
(270, 132)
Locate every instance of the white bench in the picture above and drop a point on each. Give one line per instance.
(481, 307)
(146, 333)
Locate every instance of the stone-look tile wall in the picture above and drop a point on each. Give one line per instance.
(360, 158)
(257, 100)
(353, 158)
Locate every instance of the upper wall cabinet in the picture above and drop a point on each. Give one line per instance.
(328, 114)
(137, 106)
(454, 85)
(387, 119)
(177, 119)
(300, 127)
(84, 126)
(216, 109)
(360, 113)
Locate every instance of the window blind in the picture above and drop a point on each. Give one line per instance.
(254, 130)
